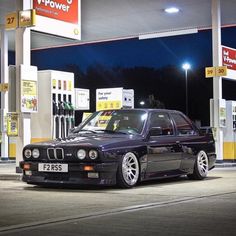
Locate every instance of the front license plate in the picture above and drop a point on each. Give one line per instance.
(51, 167)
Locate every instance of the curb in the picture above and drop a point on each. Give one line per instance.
(10, 177)
(225, 165)
(7, 161)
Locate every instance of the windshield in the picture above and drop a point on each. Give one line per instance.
(114, 121)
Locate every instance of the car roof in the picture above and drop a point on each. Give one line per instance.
(149, 110)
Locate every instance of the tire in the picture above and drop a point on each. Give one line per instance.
(200, 170)
(128, 171)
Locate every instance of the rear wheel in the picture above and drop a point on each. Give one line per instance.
(200, 167)
(128, 171)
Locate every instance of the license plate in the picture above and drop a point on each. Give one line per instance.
(51, 167)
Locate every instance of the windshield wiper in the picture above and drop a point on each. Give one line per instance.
(88, 130)
(111, 131)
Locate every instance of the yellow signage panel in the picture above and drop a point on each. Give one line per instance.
(29, 99)
(221, 71)
(210, 72)
(11, 20)
(4, 87)
(107, 105)
(27, 18)
(12, 124)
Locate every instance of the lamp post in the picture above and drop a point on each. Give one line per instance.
(186, 67)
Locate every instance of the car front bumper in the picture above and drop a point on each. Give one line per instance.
(102, 174)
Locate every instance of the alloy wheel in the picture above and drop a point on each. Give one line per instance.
(130, 169)
(202, 163)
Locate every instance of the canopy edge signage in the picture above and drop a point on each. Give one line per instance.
(229, 60)
(58, 17)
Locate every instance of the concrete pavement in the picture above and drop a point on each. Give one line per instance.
(178, 207)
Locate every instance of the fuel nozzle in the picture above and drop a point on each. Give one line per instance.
(71, 113)
(67, 108)
(54, 108)
(61, 108)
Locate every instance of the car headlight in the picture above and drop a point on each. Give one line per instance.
(81, 154)
(27, 153)
(35, 153)
(93, 154)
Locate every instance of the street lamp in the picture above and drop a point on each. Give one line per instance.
(142, 103)
(186, 67)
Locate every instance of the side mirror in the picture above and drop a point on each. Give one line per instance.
(154, 131)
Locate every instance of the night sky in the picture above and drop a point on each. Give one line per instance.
(195, 48)
(156, 57)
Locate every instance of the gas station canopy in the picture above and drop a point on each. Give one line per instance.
(104, 20)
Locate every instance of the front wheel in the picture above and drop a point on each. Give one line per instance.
(128, 171)
(200, 167)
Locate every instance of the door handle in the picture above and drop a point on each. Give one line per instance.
(179, 143)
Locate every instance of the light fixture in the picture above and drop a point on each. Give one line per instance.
(171, 10)
(142, 103)
(186, 66)
(167, 33)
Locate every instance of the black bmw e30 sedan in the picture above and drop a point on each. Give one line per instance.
(122, 147)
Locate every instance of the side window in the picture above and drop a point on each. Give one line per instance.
(161, 120)
(182, 125)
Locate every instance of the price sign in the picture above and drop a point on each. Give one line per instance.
(221, 71)
(210, 72)
(27, 18)
(4, 87)
(11, 21)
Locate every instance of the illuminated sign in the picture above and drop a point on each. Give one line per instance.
(229, 60)
(216, 71)
(221, 71)
(11, 20)
(229, 57)
(109, 98)
(58, 17)
(63, 10)
(4, 87)
(210, 72)
(27, 18)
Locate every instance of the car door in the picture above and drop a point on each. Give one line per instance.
(187, 137)
(163, 150)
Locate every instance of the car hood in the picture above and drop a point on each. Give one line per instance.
(93, 140)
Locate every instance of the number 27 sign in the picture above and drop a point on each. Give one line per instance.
(11, 20)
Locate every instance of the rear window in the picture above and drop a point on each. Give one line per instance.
(182, 125)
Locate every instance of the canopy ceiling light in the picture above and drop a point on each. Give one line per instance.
(171, 10)
(167, 33)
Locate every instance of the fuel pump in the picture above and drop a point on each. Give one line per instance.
(229, 145)
(56, 90)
